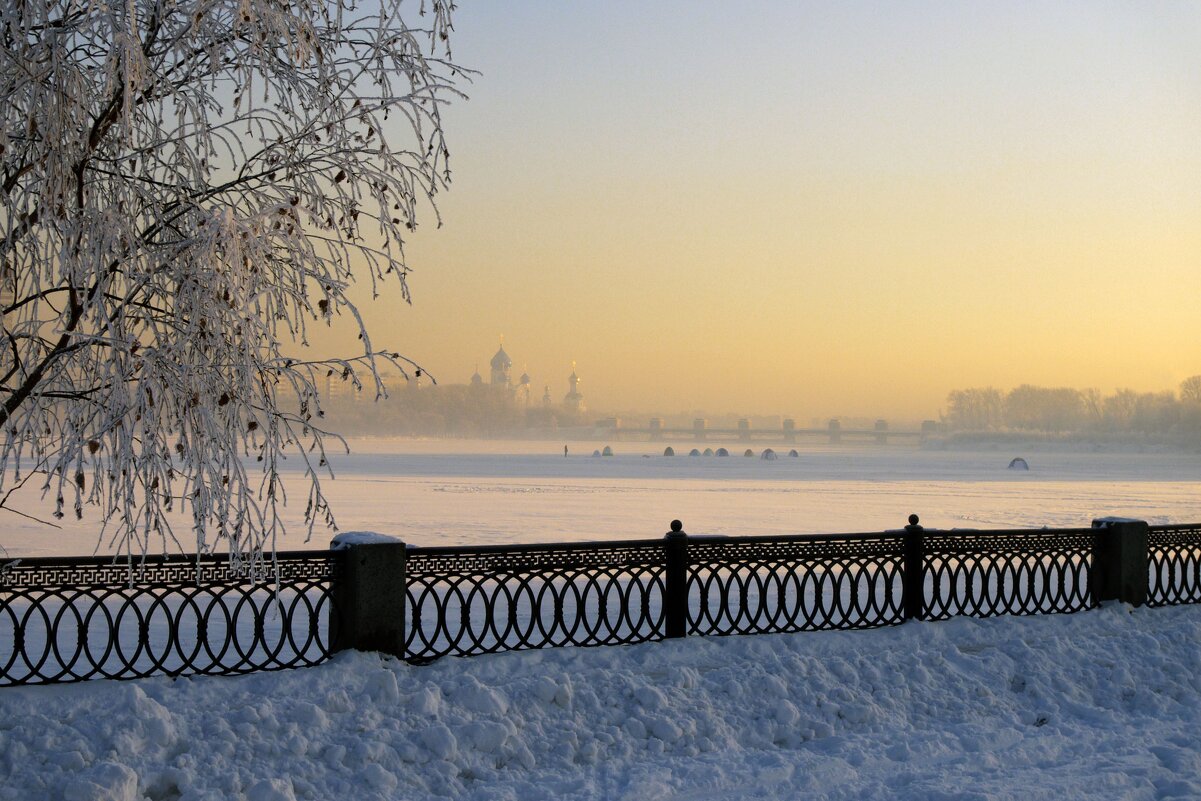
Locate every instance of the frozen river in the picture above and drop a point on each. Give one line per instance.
(466, 492)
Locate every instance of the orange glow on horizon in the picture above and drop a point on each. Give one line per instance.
(856, 212)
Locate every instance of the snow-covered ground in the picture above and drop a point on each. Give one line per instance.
(1101, 704)
(469, 492)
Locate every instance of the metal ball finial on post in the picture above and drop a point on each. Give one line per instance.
(675, 582)
(913, 575)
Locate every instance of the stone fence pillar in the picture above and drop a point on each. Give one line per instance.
(369, 594)
(1120, 561)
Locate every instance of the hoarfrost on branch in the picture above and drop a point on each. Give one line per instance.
(190, 188)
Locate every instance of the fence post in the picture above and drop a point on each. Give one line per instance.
(1119, 561)
(675, 592)
(914, 574)
(368, 612)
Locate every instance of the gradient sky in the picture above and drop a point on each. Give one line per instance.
(812, 209)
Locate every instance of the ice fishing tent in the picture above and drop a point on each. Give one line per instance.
(769, 455)
(1018, 463)
(669, 451)
(722, 452)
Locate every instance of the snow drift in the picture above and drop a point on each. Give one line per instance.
(1098, 704)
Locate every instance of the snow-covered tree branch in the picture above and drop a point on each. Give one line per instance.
(189, 186)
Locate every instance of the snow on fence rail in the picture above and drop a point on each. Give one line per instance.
(73, 619)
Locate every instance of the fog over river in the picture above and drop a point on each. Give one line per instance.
(474, 492)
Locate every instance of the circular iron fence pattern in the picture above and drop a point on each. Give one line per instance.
(475, 601)
(987, 573)
(69, 620)
(1173, 565)
(78, 618)
(762, 585)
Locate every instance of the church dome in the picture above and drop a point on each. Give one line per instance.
(501, 360)
(525, 378)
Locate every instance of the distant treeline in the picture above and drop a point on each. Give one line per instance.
(1062, 410)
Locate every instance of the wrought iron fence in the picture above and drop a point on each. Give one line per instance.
(466, 601)
(758, 585)
(82, 618)
(1174, 565)
(73, 619)
(987, 573)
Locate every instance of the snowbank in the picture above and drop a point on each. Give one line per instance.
(1101, 704)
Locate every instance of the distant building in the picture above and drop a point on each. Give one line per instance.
(520, 394)
(501, 365)
(523, 389)
(339, 388)
(574, 399)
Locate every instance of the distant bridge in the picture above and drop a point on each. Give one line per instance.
(700, 431)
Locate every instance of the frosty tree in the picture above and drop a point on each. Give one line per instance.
(190, 187)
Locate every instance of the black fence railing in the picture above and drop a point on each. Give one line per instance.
(73, 619)
(760, 585)
(81, 618)
(987, 573)
(1174, 565)
(467, 601)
